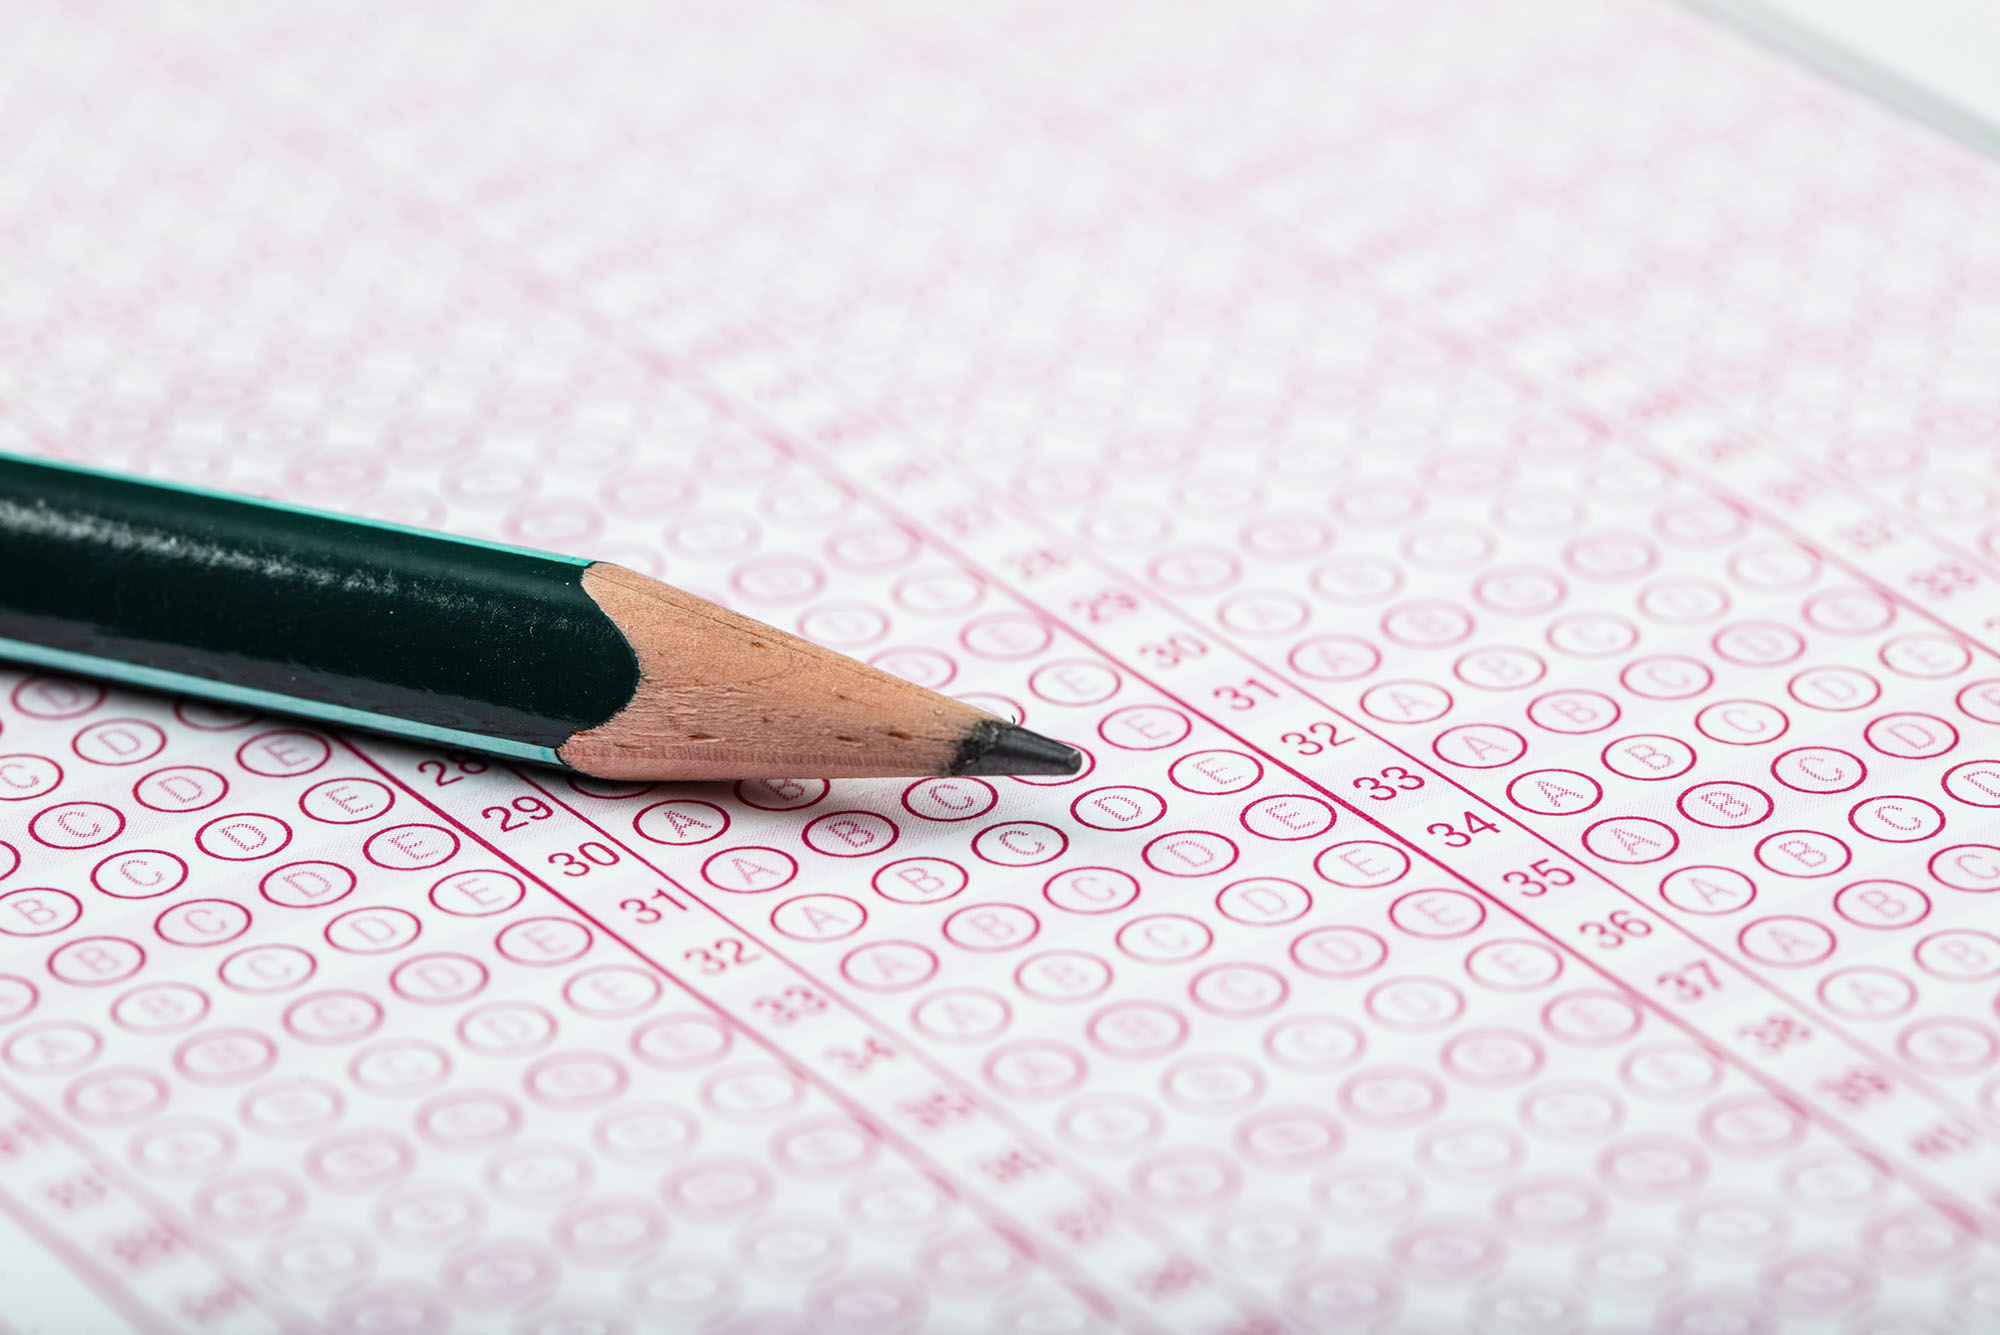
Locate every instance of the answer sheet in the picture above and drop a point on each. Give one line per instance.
(1502, 490)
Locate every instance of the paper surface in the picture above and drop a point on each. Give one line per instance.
(1504, 493)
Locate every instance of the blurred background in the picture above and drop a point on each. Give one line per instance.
(1937, 58)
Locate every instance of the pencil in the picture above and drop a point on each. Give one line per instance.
(472, 645)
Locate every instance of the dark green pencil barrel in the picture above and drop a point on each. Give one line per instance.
(438, 632)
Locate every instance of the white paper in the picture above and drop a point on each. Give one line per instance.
(1503, 492)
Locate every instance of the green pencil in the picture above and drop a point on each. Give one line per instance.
(469, 644)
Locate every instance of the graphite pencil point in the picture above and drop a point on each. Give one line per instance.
(1002, 748)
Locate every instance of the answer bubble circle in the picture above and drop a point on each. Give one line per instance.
(1708, 890)
(748, 870)
(1023, 843)
(1479, 746)
(681, 822)
(1648, 757)
(139, 873)
(74, 825)
(1091, 890)
(920, 880)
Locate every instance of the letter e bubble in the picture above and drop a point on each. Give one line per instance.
(1437, 913)
(1215, 772)
(410, 847)
(1288, 816)
(1144, 727)
(477, 894)
(1362, 864)
(346, 801)
(543, 941)
(283, 754)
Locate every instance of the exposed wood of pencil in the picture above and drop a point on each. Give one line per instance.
(723, 697)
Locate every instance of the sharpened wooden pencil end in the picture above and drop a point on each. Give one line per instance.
(722, 696)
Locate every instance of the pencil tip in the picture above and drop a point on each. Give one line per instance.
(1001, 748)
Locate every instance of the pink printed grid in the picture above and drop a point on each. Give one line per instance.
(1167, 392)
